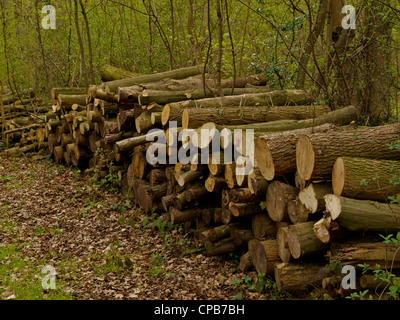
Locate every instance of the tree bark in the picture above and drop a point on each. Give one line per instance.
(312, 197)
(278, 196)
(275, 153)
(363, 215)
(265, 256)
(195, 117)
(367, 179)
(316, 154)
(297, 277)
(274, 98)
(112, 86)
(302, 240)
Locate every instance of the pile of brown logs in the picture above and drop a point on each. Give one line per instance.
(314, 196)
(22, 121)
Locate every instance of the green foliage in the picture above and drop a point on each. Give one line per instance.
(389, 283)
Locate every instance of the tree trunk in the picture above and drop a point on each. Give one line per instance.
(282, 243)
(265, 256)
(112, 86)
(316, 154)
(297, 277)
(178, 217)
(312, 197)
(262, 226)
(195, 117)
(110, 73)
(366, 179)
(278, 196)
(193, 83)
(275, 153)
(297, 211)
(363, 215)
(146, 97)
(273, 98)
(256, 183)
(302, 240)
(365, 251)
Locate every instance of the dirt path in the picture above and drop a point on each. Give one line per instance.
(100, 246)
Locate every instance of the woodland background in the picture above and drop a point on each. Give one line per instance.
(296, 43)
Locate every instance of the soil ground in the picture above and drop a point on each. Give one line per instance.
(100, 245)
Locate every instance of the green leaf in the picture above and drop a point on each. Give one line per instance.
(238, 296)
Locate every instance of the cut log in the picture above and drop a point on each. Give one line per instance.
(193, 83)
(257, 184)
(362, 251)
(207, 215)
(273, 98)
(312, 197)
(195, 117)
(67, 101)
(244, 209)
(365, 215)
(275, 154)
(178, 216)
(244, 195)
(302, 240)
(278, 196)
(143, 122)
(369, 281)
(180, 201)
(10, 97)
(214, 184)
(245, 262)
(282, 243)
(196, 192)
(128, 144)
(157, 176)
(111, 73)
(241, 236)
(222, 247)
(297, 277)
(262, 226)
(188, 176)
(126, 120)
(67, 91)
(265, 256)
(167, 201)
(112, 86)
(297, 212)
(316, 154)
(163, 97)
(215, 234)
(367, 179)
(229, 174)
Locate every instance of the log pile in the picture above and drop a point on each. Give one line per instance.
(299, 208)
(22, 121)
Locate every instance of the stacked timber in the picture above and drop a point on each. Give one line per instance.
(22, 121)
(268, 174)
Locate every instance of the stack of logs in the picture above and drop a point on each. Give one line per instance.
(318, 193)
(22, 121)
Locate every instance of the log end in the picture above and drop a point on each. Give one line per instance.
(305, 157)
(333, 205)
(338, 176)
(264, 160)
(165, 114)
(282, 243)
(293, 243)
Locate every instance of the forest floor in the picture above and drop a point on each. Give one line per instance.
(100, 245)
